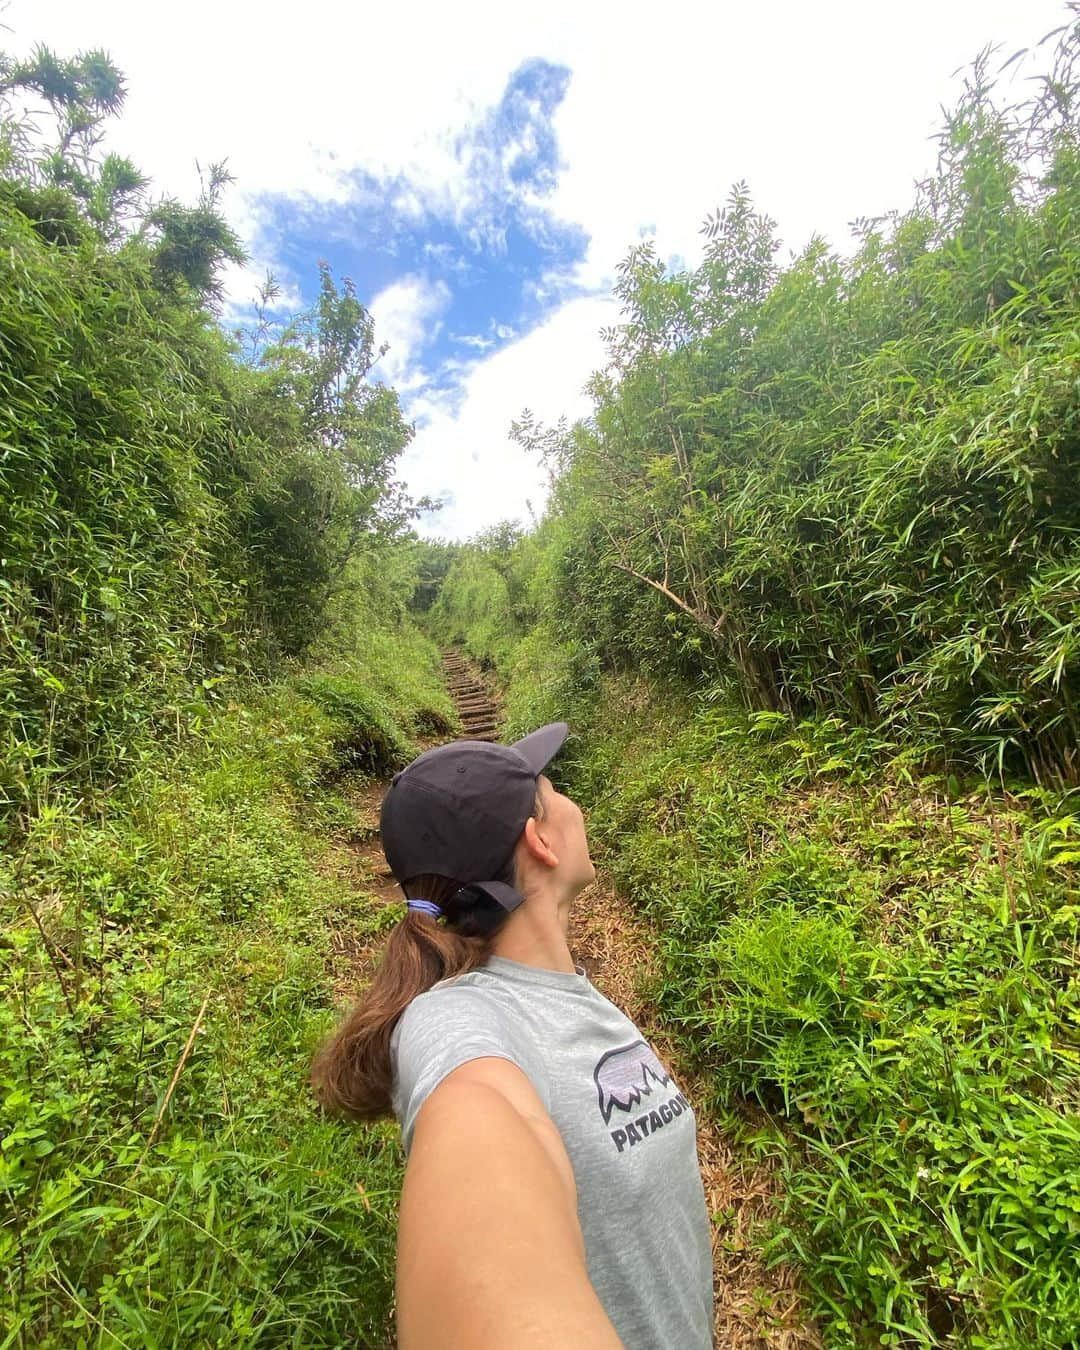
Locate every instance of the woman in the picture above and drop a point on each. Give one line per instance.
(552, 1195)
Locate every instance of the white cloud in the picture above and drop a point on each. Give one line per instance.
(481, 344)
(462, 448)
(407, 317)
(825, 108)
(827, 111)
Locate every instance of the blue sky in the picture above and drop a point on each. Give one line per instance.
(479, 170)
(490, 263)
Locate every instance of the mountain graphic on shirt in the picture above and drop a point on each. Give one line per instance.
(625, 1075)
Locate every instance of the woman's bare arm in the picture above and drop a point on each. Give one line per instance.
(490, 1252)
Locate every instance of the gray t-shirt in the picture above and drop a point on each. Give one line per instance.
(628, 1130)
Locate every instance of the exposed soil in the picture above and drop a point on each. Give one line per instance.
(755, 1307)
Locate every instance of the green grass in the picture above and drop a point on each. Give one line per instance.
(196, 904)
(882, 957)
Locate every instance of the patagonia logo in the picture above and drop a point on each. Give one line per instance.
(626, 1075)
(623, 1078)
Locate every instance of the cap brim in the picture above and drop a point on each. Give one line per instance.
(540, 747)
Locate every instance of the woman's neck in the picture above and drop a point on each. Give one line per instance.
(535, 935)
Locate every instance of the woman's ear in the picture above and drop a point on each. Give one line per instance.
(536, 846)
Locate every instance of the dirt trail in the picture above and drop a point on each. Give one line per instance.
(755, 1307)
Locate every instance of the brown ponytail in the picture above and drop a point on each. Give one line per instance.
(352, 1074)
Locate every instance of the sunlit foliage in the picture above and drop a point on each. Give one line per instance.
(852, 484)
(183, 515)
(170, 515)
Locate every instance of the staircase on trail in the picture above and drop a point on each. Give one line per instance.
(472, 698)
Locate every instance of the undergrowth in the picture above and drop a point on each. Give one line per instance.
(882, 957)
(165, 1178)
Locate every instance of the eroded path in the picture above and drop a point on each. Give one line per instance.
(755, 1307)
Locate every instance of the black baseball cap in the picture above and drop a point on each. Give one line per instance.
(458, 810)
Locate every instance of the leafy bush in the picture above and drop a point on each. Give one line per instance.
(172, 516)
(481, 603)
(848, 486)
(164, 978)
(372, 743)
(885, 961)
(177, 523)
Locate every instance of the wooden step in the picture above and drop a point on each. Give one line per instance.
(473, 699)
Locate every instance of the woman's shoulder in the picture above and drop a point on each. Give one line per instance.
(476, 979)
(471, 994)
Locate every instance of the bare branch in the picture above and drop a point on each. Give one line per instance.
(704, 620)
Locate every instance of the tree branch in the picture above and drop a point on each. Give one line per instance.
(704, 620)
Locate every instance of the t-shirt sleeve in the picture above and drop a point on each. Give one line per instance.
(443, 1029)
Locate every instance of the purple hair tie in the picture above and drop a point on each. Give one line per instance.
(428, 906)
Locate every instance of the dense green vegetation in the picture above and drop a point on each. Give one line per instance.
(880, 956)
(851, 484)
(186, 924)
(172, 516)
(204, 571)
(808, 592)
